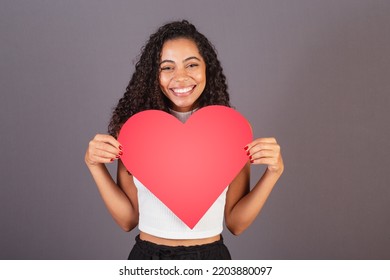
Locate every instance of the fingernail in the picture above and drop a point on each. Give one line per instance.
(120, 147)
(117, 156)
(246, 148)
(250, 157)
(248, 153)
(120, 153)
(252, 161)
(112, 159)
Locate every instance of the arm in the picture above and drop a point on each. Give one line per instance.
(242, 205)
(120, 199)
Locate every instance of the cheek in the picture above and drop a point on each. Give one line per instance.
(164, 81)
(202, 74)
(199, 77)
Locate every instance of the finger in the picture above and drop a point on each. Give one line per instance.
(105, 147)
(261, 141)
(263, 146)
(105, 154)
(108, 139)
(268, 150)
(263, 154)
(96, 158)
(267, 161)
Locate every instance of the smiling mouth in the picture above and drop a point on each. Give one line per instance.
(180, 92)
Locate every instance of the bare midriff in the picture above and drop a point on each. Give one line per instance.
(178, 242)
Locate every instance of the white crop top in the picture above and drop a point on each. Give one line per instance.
(157, 219)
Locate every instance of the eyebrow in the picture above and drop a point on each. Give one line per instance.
(188, 58)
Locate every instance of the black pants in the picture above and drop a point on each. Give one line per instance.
(145, 250)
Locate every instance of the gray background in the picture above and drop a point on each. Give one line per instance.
(314, 74)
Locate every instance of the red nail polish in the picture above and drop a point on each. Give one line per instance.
(252, 161)
(120, 153)
(246, 148)
(120, 148)
(250, 157)
(248, 153)
(117, 156)
(112, 159)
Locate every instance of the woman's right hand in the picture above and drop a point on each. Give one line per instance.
(103, 148)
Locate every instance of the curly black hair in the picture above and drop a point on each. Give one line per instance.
(143, 91)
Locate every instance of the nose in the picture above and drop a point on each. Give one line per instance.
(181, 79)
(181, 76)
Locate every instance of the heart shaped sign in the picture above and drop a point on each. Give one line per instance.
(186, 166)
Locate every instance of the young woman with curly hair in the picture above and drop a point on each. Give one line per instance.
(178, 72)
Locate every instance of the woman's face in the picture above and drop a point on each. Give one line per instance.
(182, 73)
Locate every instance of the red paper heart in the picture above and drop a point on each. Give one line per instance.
(186, 166)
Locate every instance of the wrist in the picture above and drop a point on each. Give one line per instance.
(92, 164)
(274, 172)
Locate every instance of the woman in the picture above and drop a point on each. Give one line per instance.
(178, 72)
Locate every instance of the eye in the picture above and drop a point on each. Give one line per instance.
(166, 68)
(192, 65)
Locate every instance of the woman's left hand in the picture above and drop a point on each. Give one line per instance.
(266, 151)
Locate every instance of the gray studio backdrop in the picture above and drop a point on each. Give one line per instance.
(314, 74)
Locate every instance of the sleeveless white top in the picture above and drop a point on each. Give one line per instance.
(157, 219)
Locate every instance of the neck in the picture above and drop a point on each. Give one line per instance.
(182, 116)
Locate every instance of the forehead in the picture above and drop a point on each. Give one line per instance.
(179, 49)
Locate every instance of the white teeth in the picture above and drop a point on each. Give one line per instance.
(182, 90)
